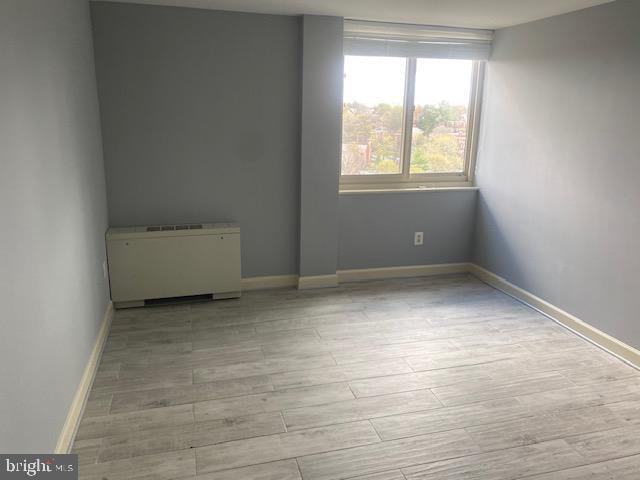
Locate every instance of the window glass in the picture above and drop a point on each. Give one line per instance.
(372, 115)
(440, 118)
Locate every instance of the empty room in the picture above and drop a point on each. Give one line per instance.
(320, 240)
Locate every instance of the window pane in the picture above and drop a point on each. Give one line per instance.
(372, 115)
(439, 133)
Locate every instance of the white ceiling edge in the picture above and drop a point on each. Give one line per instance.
(488, 14)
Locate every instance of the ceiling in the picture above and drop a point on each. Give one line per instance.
(490, 14)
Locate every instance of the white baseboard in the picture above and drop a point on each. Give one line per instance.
(345, 276)
(598, 337)
(70, 427)
(318, 281)
(272, 281)
(359, 275)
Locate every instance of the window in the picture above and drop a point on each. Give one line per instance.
(408, 122)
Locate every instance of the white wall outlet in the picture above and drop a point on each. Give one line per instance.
(418, 238)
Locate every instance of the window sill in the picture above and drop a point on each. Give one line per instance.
(359, 191)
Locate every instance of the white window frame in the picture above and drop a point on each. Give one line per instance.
(406, 180)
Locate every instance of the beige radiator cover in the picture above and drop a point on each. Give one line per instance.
(145, 265)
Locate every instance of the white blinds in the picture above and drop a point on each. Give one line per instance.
(400, 40)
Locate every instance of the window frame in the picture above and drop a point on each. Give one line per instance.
(406, 180)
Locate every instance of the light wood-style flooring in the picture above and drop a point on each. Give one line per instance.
(416, 379)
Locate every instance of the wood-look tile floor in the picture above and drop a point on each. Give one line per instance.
(418, 379)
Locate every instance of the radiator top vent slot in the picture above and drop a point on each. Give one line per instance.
(163, 228)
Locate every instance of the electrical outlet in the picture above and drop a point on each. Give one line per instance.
(418, 238)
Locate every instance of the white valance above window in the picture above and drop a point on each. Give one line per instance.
(403, 40)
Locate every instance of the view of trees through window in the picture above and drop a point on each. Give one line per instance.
(374, 91)
(372, 115)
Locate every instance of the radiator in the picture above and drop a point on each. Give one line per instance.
(168, 261)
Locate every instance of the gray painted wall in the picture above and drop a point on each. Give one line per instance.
(322, 77)
(54, 215)
(559, 166)
(376, 230)
(201, 121)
